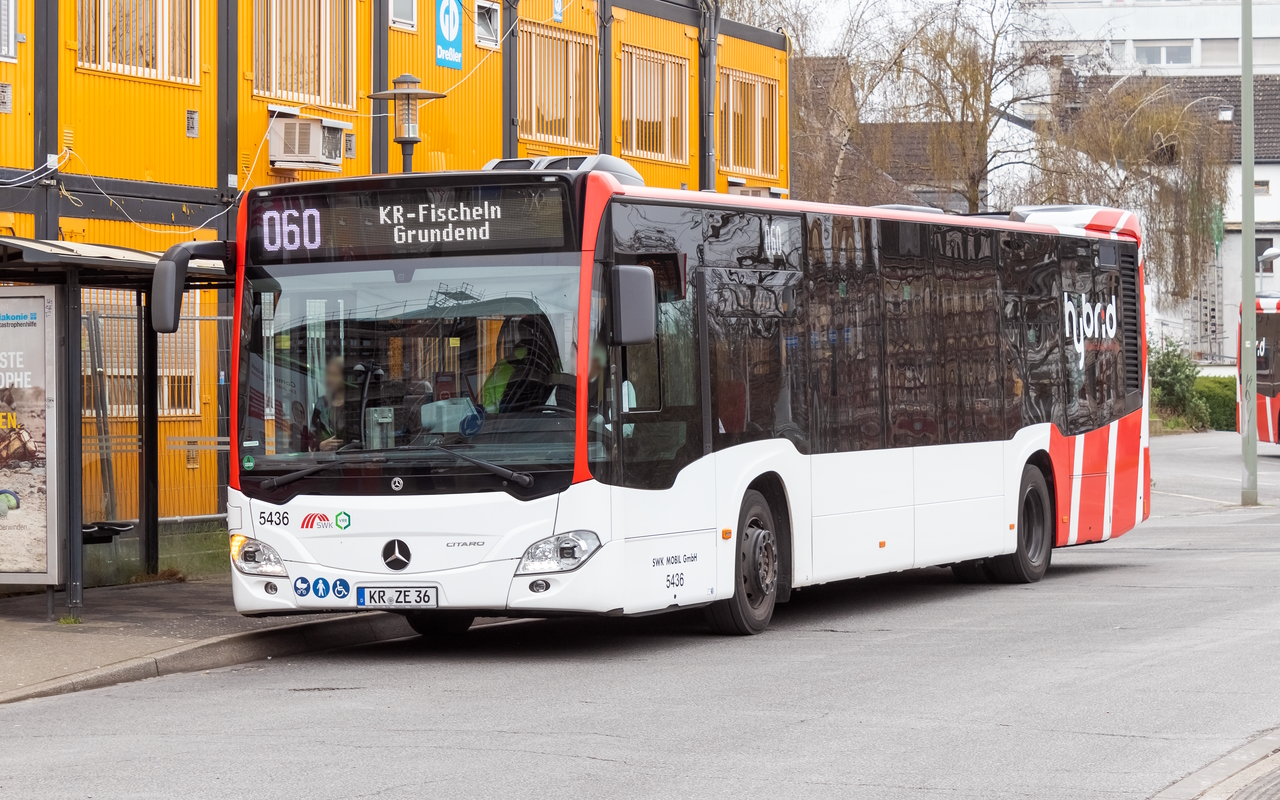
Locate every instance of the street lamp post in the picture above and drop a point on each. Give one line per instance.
(1248, 299)
(406, 95)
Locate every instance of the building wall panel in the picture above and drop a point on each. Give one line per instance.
(677, 39)
(16, 127)
(756, 59)
(253, 162)
(464, 129)
(580, 16)
(132, 127)
(123, 233)
(14, 224)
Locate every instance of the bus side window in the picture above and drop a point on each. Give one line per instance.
(1034, 340)
(844, 338)
(967, 315)
(911, 343)
(1080, 301)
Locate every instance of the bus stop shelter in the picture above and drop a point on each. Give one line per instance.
(72, 267)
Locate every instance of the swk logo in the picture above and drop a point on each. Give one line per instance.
(1092, 321)
(311, 521)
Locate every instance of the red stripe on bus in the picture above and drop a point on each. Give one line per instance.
(600, 188)
(1093, 485)
(233, 424)
(1062, 452)
(1124, 503)
(1095, 451)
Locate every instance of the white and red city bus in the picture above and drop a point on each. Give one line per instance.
(551, 391)
(1268, 376)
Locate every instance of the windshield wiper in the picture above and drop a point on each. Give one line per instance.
(290, 477)
(520, 478)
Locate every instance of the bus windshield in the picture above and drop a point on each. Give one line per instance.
(410, 364)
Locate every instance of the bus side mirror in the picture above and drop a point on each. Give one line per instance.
(635, 305)
(169, 281)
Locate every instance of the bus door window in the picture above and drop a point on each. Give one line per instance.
(971, 386)
(910, 338)
(658, 384)
(756, 321)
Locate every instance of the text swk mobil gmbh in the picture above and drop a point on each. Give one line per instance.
(458, 223)
(1093, 321)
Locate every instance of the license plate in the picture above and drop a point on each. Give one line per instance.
(398, 597)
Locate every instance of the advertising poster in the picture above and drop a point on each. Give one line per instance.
(26, 377)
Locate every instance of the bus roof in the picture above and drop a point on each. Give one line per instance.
(1089, 221)
(1096, 222)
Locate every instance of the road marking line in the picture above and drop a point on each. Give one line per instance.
(1193, 497)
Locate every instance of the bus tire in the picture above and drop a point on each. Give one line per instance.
(1029, 562)
(440, 625)
(755, 573)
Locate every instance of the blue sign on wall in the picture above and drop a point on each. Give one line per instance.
(557, 10)
(448, 34)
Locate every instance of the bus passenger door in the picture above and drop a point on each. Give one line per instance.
(663, 493)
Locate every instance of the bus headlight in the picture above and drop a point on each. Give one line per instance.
(559, 553)
(253, 557)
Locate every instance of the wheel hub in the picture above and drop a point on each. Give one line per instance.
(762, 552)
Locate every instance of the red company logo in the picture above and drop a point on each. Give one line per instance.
(316, 521)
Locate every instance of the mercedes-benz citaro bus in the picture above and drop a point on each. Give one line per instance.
(549, 390)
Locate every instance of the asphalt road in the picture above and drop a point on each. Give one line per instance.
(1132, 664)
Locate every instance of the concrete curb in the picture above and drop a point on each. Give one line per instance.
(1200, 782)
(228, 650)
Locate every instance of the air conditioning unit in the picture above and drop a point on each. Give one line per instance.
(306, 143)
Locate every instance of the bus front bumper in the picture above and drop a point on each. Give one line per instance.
(490, 586)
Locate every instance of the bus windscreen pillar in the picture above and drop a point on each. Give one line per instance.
(30, 529)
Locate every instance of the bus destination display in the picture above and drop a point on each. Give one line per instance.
(407, 223)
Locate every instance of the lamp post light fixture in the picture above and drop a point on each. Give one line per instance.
(406, 95)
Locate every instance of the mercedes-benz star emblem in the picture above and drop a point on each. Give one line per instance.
(396, 555)
(396, 484)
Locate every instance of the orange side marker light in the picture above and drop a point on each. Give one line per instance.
(882, 545)
(727, 533)
(1011, 526)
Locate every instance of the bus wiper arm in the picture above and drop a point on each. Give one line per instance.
(520, 478)
(297, 475)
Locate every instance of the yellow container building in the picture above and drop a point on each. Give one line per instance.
(138, 123)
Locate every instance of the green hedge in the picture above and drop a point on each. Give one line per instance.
(1220, 395)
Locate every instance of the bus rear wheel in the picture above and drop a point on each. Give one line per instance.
(755, 573)
(1030, 561)
(440, 624)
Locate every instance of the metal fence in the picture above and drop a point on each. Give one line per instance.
(194, 399)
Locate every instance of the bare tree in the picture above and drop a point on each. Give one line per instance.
(1148, 144)
(965, 67)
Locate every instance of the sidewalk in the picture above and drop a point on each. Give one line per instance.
(130, 632)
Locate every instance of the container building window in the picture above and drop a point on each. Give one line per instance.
(655, 105)
(8, 43)
(559, 80)
(404, 14)
(488, 24)
(141, 38)
(304, 51)
(748, 124)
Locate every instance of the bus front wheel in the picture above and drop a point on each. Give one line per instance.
(440, 624)
(1029, 562)
(755, 573)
